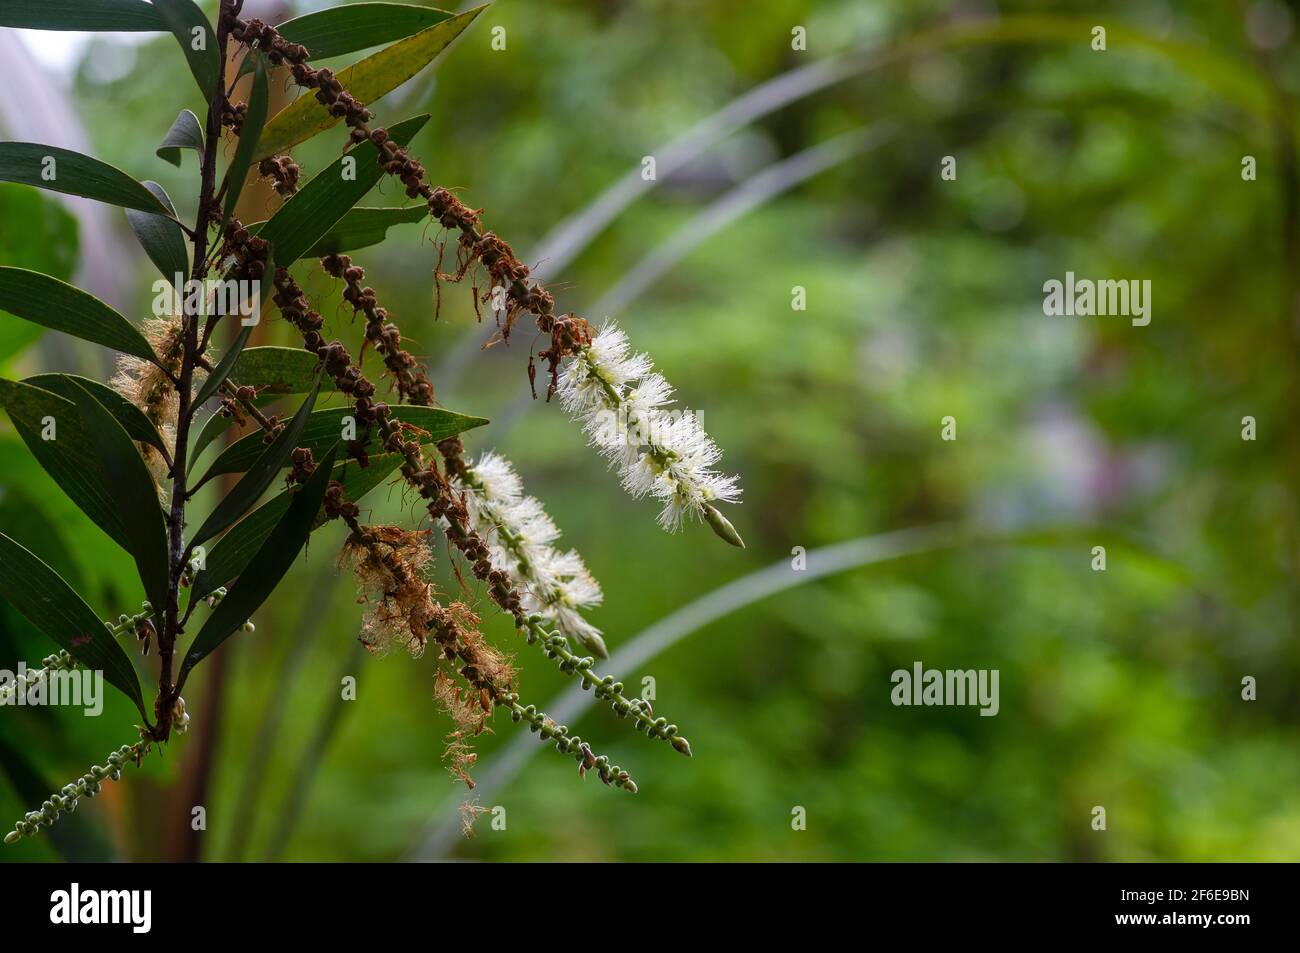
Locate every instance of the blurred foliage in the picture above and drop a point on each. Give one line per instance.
(924, 297)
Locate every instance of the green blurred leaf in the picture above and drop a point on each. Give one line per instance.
(260, 474)
(134, 492)
(267, 567)
(126, 16)
(47, 243)
(363, 227)
(132, 418)
(249, 134)
(368, 80)
(50, 604)
(186, 133)
(231, 554)
(66, 458)
(58, 305)
(325, 427)
(161, 237)
(323, 201)
(357, 26)
(222, 370)
(199, 44)
(61, 170)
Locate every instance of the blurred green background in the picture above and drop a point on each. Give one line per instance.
(924, 300)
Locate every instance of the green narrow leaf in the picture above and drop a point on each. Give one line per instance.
(132, 418)
(186, 133)
(323, 201)
(124, 16)
(161, 237)
(66, 457)
(62, 170)
(275, 372)
(363, 227)
(325, 427)
(249, 134)
(259, 476)
(198, 42)
(134, 492)
(267, 567)
(232, 552)
(368, 80)
(58, 305)
(50, 604)
(358, 26)
(222, 370)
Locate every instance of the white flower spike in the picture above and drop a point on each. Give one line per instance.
(519, 534)
(623, 406)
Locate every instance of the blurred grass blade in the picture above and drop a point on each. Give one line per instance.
(260, 474)
(363, 227)
(61, 307)
(50, 604)
(137, 426)
(327, 198)
(66, 457)
(199, 44)
(222, 370)
(62, 170)
(131, 485)
(161, 237)
(357, 26)
(324, 428)
(125, 16)
(267, 567)
(368, 80)
(249, 134)
(232, 552)
(186, 133)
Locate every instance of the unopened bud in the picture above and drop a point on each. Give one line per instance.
(721, 526)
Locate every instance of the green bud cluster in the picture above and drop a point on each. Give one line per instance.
(605, 687)
(88, 785)
(568, 744)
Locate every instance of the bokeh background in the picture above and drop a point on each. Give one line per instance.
(778, 169)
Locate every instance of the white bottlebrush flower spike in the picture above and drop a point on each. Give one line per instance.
(623, 406)
(519, 534)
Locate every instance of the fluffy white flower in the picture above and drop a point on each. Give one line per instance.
(519, 534)
(658, 452)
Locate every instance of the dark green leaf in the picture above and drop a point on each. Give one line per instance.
(222, 370)
(363, 227)
(198, 42)
(260, 474)
(58, 305)
(66, 457)
(325, 427)
(275, 372)
(50, 604)
(267, 567)
(185, 133)
(318, 205)
(134, 492)
(232, 552)
(161, 237)
(358, 26)
(367, 80)
(132, 418)
(249, 133)
(124, 16)
(61, 170)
